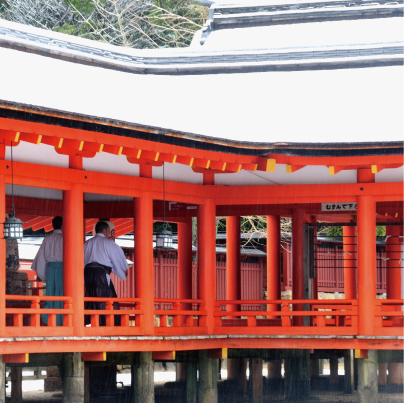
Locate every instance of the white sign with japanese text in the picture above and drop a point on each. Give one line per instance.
(351, 206)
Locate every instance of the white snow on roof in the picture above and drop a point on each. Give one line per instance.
(348, 105)
(307, 35)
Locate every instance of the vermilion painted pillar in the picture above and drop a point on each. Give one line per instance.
(393, 289)
(349, 246)
(366, 264)
(233, 273)
(144, 286)
(207, 259)
(2, 245)
(73, 240)
(298, 219)
(393, 265)
(273, 261)
(233, 278)
(184, 274)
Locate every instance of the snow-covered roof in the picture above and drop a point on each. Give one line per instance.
(333, 78)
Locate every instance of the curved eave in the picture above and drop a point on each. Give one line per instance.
(36, 114)
(199, 61)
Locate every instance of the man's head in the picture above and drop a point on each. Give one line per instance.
(57, 222)
(102, 228)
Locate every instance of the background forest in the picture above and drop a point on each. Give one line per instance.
(138, 24)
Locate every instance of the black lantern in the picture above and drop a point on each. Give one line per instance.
(13, 226)
(164, 238)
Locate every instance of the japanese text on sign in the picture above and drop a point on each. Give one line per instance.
(338, 206)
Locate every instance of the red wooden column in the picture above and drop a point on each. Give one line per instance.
(273, 261)
(73, 269)
(393, 289)
(144, 286)
(393, 265)
(233, 279)
(184, 274)
(366, 263)
(349, 247)
(298, 219)
(207, 259)
(233, 273)
(2, 244)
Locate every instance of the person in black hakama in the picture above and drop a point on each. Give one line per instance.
(101, 256)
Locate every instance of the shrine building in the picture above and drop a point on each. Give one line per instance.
(288, 109)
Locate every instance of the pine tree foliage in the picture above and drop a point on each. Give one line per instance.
(131, 23)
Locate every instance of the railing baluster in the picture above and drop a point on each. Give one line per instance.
(286, 322)
(35, 320)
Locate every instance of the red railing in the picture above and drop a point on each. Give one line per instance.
(129, 311)
(389, 317)
(23, 316)
(180, 316)
(321, 317)
(188, 317)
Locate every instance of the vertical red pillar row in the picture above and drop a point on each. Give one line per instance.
(349, 249)
(2, 244)
(298, 219)
(73, 268)
(207, 259)
(273, 262)
(144, 286)
(366, 264)
(233, 273)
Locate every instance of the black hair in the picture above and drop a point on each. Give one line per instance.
(57, 222)
(100, 226)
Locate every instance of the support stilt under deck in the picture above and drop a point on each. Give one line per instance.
(274, 369)
(207, 390)
(191, 382)
(256, 380)
(334, 370)
(298, 375)
(382, 374)
(236, 370)
(180, 371)
(349, 371)
(367, 378)
(2, 381)
(73, 378)
(143, 378)
(16, 384)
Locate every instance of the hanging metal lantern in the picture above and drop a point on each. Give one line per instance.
(13, 227)
(164, 238)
